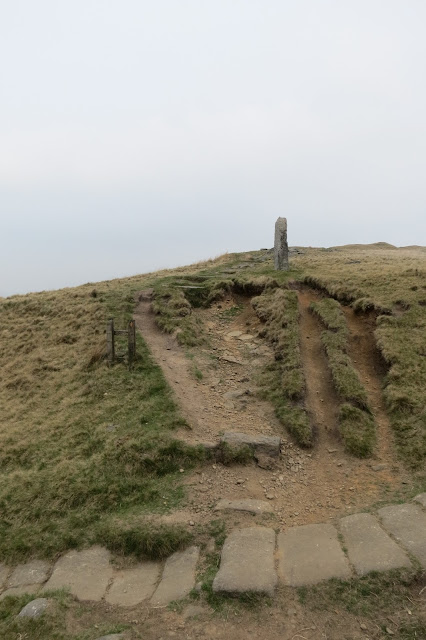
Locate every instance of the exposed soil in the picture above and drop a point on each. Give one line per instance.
(285, 619)
(306, 486)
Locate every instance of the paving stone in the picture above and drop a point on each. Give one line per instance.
(310, 554)
(132, 586)
(421, 499)
(19, 591)
(178, 577)
(86, 573)
(34, 609)
(268, 445)
(249, 505)
(33, 572)
(407, 523)
(247, 562)
(4, 572)
(369, 547)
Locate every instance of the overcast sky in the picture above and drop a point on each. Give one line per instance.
(140, 134)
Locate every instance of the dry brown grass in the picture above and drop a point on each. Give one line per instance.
(391, 283)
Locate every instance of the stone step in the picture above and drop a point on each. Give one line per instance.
(311, 554)
(247, 563)
(249, 505)
(85, 573)
(264, 445)
(132, 586)
(407, 523)
(306, 555)
(178, 577)
(369, 547)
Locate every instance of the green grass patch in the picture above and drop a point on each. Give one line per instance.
(380, 597)
(143, 540)
(282, 382)
(53, 623)
(80, 441)
(356, 424)
(358, 430)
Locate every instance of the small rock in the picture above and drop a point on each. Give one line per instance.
(389, 631)
(34, 609)
(270, 496)
(181, 470)
(113, 636)
(363, 626)
(379, 467)
(191, 523)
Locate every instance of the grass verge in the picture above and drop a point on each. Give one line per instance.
(80, 443)
(389, 282)
(283, 383)
(356, 424)
(390, 602)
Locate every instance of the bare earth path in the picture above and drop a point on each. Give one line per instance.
(306, 486)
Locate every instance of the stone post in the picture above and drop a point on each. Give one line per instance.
(281, 246)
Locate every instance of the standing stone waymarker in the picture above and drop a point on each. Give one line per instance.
(280, 245)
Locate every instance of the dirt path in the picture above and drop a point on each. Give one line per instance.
(321, 399)
(306, 486)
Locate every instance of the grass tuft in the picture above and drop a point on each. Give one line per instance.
(356, 423)
(143, 540)
(283, 383)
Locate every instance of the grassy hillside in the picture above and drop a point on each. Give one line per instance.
(390, 283)
(86, 450)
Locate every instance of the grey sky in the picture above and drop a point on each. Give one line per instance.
(136, 135)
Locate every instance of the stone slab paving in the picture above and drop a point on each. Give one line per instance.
(407, 523)
(247, 562)
(311, 554)
(421, 499)
(19, 591)
(306, 555)
(369, 547)
(86, 573)
(251, 506)
(178, 577)
(132, 586)
(34, 572)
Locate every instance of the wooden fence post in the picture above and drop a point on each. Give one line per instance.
(132, 342)
(110, 342)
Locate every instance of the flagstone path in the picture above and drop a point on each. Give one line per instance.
(254, 559)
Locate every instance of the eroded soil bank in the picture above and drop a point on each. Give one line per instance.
(215, 386)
